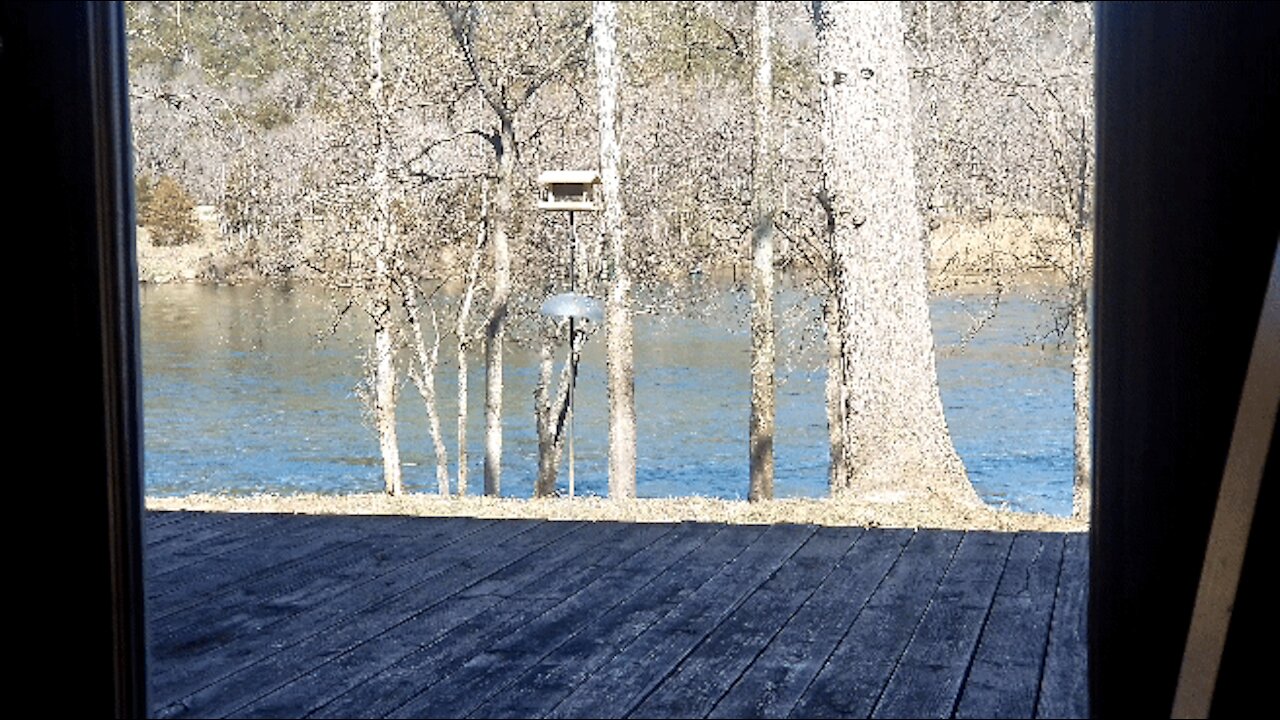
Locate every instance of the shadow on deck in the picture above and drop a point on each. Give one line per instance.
(286, 616)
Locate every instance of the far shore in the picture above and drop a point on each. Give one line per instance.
(808, 511)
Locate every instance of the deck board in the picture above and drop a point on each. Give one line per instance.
(615, 688)
(285, 616)
(704, 675)
(1064, 687)
(495, 606)
(851, 681)
(777, 679)
(181, 553)
(541, 688)
(222, 678)
(1016, 634)
(927, 680)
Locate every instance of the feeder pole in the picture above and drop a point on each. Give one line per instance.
(573, 363)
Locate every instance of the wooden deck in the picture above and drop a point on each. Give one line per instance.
(286, 616)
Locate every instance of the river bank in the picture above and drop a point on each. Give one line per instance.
(823, 511)
(965, 256)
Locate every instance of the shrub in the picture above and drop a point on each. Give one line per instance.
(167, 213)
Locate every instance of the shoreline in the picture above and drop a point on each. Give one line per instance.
(804, 511)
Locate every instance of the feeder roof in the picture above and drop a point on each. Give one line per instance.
(569, 177)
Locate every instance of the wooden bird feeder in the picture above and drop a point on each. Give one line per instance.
(569, 190)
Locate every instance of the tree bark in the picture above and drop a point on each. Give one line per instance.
(895, 439)
(496, 327)
(384, 372)
(762, 209)
(618, 323)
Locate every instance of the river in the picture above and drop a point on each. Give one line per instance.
(245, 391)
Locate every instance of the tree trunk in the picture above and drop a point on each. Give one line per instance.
(762, 207)
(837, 472)
(1081, 277)
(463, 334)
(1080, 385)
(384, 371)
(618, 325)
(424, 377)
(552, 416)
(895, 439)
(496, 327)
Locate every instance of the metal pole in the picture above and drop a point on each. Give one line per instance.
(573, 366)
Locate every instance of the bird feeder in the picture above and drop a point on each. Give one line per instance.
(570, 190)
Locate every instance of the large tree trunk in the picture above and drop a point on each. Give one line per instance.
(895, 439)
(463, 334)
(618, 325)
(384, 371)
(762, 207)
(496, 327)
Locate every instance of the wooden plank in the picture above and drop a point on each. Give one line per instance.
(181, 524)
(855, 673)
(272, 554)
(1005, 676)
(253, 607)
(1064, 687)
(540, 688)
(225, 681)
(183, 675)
(928, 678)
(707, 673)
(153, 520)
(390, 669)
(489, 667)
(169, 681)
(293, 539)
(179, 554)
(773, 684)
(156, 518)
(621, 683)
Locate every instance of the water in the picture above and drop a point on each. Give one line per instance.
(244, 391)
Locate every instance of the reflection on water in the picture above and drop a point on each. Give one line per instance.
(245, 391)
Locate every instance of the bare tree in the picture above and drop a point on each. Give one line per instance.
(762, 206)
(506, 91)
(618, 323)
(1006, 108)
(462, 333)
(894, 435)
(382, 248)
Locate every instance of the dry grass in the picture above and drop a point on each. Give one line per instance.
(683, 509)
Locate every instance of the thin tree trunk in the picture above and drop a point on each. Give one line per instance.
(762, 202)
(895, 441)
(837, 472)
(496, 327)
(1080, 376)
(384, 372)
(552, 416)
(618, 324)
(424, 377)
(463, 334)
(545, 483)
